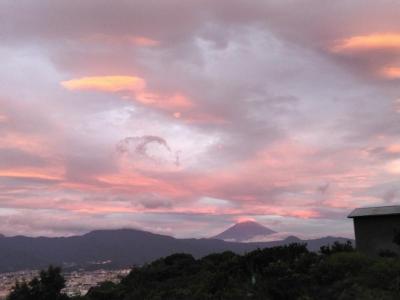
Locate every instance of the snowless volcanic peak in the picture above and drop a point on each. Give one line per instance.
(244, 231)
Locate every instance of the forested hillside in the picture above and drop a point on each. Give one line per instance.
(281, 273)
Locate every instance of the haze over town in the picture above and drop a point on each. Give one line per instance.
(186, 121)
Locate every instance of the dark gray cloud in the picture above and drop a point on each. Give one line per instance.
(139, 144)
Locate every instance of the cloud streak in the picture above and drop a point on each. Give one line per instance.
(385, 41)
(106, 84)
(133, 88)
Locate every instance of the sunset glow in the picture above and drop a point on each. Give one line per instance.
(106, 83)
(184, 119)
(395, 149)
(144, 41)
(369, 42)
(135, 87)
(391, 72)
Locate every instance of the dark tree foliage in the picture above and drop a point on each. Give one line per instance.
(47, 287)
(396, 238)
(289, 272)
(336, 247)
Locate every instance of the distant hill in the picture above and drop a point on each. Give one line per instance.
(116, 249)
(244, 231)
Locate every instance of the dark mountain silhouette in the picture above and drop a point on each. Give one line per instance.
(244, 231)
(115, 249)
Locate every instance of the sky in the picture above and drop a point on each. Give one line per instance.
(182, 117)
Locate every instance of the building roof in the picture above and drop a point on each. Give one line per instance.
(375, 211)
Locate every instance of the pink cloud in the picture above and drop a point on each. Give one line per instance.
(140, 41)
(391, 72)
(133, 88)
(370, 42)
(106, 84)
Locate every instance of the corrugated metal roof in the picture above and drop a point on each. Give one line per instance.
(375, 211)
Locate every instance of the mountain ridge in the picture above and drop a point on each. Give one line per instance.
(122, 247)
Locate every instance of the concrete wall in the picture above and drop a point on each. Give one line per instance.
(376, 233)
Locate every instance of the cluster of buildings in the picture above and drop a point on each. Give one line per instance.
(7, 280)
(77, 282)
